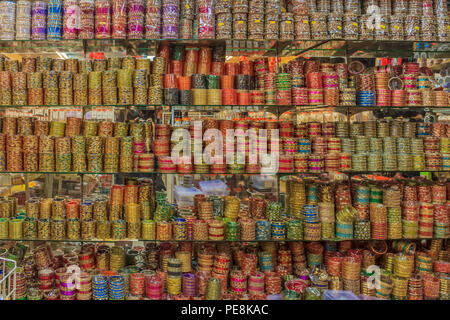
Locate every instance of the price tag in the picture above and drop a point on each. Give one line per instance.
(288, 21)
(272, 22)
(339, 27)
(257, 21)
(240, 22)
(448, 27)
(382, 26)
(187, 6)
(313, 22)
(417, 28)
(220, 24)
(305, 21)
(355, 24)
(397, 27)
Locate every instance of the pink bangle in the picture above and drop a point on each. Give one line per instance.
(256, 289)
(84, 292)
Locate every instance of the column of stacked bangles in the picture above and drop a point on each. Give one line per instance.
(76, 145)
(206, 19)
(314, 210)
(199, 76)
(409, 270)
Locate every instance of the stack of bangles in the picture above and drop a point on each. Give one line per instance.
(201, 76)
(77, 145)
(317, 210)
(214, 275)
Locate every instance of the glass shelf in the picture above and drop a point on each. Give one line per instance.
(301, 107)
(134, 46)
(352, 110)
(354, 173)
(216, 241)
(341, 48)
(214, 174)
(145, 106)
(113, 41)
(322, 47)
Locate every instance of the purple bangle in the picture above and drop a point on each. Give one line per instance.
(170, 9)
(38, 12)
(66, 285)
(67, 293)
(168, 30)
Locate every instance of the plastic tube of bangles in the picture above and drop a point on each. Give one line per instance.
(71, 16)
(8, 18)
(224, 25)
(87, 22)
(315, 96)
(302, 27)
(102, 19)
(189, 285)
(239, 26)
(153, 19)
(217, 68)
(170, 15)
(38, 20)
(54, 19)
(119, 19)
(205, 16)
(23, 20)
